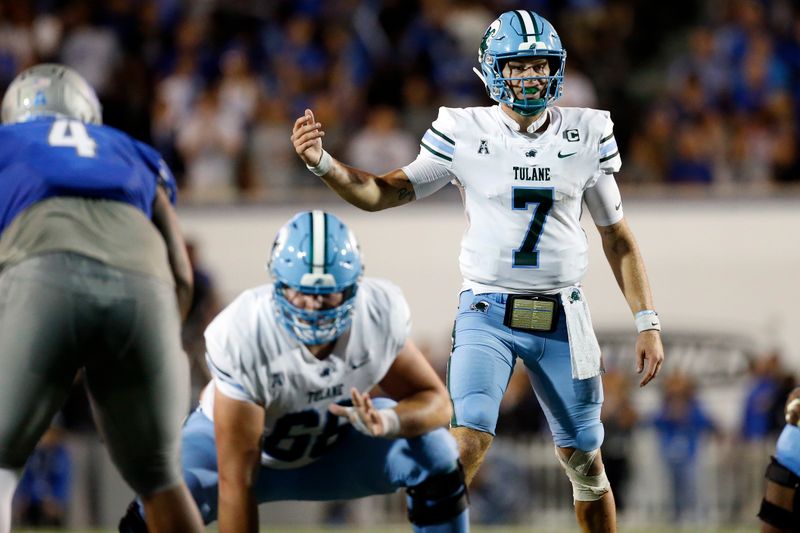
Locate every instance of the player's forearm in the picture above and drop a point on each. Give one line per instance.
(166, 221)
(633, 283)
(628, 267)
(238, 511)
(423, 412)
(368, 191)
(355, 186)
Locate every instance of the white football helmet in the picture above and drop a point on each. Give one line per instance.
(50, 89)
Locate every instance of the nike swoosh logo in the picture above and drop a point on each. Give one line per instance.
(359, 364)
(653, 323)
(562, 156)
(616, 207)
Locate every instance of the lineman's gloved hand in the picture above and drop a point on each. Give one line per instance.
(366, 419)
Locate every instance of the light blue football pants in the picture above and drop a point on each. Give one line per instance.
(483, 357)
(357, 466)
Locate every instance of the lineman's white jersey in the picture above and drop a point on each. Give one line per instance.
(252, 357)
(523, 193)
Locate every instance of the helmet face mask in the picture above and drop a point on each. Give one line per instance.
(517, 35)
(315, 254)
(50, 90)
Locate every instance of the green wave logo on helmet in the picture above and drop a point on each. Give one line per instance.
(491, 31)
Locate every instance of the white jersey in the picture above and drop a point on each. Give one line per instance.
(523, 193)
(252, 357)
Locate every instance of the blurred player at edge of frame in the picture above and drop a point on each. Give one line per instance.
(780, 508)
(293, 362)
(524, 168)
(95, 276)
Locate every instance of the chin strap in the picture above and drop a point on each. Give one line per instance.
(541, 105)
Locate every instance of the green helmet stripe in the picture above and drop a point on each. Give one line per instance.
(528, 24)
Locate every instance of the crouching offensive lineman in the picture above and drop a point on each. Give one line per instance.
(288, 415)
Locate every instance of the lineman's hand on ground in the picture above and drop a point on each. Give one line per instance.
(363, 415)
(649, 348)
(307, 138)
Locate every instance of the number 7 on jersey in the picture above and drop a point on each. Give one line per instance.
(526, 256)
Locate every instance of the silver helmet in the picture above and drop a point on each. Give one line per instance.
(50, 89)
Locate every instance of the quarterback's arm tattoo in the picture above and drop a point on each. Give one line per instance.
(405, 194)
(368, 191)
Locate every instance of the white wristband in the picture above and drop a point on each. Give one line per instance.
(324, 165)
(389, 417)
(391, 423)
(647, 320)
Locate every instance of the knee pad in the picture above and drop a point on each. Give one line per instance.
(773, 514)
(585, 488)
(438, 499)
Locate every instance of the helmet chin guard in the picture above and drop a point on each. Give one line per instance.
(515, 35)
(315, 253)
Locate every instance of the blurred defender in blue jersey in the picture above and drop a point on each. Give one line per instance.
(95, 276)
(780, 508)
(285, 357)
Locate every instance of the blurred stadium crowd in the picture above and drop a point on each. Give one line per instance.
(702, 92)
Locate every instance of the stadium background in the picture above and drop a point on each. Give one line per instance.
(706, 102)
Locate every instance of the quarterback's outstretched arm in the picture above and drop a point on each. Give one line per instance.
(626, 262)
(362, 189)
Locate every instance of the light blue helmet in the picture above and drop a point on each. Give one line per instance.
(315, 253)
(50, 90)
(514, 35)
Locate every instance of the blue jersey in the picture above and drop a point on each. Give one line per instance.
(51, 157)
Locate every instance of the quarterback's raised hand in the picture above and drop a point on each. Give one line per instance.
(366, 419)
(307, 138)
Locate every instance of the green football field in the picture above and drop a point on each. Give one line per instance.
(476, 529)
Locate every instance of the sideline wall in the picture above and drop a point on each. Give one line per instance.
(723, 266)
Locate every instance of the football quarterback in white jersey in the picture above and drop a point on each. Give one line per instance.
(288, 414)
(525, 168)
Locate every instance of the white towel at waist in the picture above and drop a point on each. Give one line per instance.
(583, 347)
